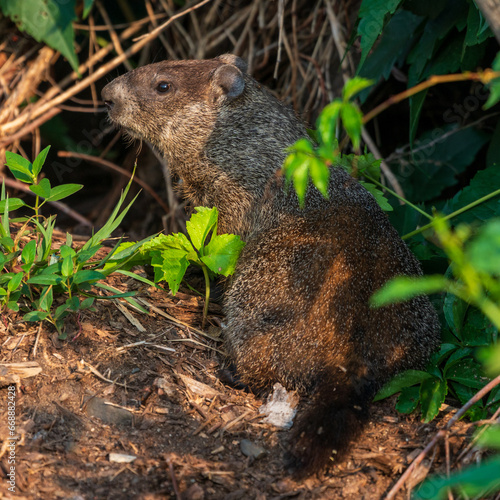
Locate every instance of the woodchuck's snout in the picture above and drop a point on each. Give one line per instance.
(297, 308)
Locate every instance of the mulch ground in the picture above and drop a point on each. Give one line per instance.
(146, 388)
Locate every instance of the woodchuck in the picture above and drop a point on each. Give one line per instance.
(297, 308)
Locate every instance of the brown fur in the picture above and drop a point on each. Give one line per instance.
(297, 307)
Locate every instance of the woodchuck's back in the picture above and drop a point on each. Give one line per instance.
(298, 312)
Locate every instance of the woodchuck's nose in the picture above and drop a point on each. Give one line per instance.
(107, 96)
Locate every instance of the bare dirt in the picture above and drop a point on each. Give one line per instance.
(148, 386)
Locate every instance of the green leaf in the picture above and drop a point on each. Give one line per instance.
(29, 252)
(484, 182)
(378, 195)
(13, 306)
(87, 5)
(73, 303)
(39, 161)
(137, 277)
(66, 251)
(48, 21)
(83, 256)
(174, 244)
(437, 159)
(327, 126)
(395, 41)
(372, 14)
(432, 394)
(436, 29)
(484, 251)
(352, 119)
(355, 85)
(60, 311)
(404, 288)
(14, 204)
(45, 279)
(67, 267)
(469, 373)
(46, 299)
(87, 275)
(15, 281)
(21, 168)
(455, 310)
(87, 303)
(35, 316)
(494, 85)
(400, 381)
(477, 27)
(170, 268)
(320, 175)
(490, 357)
(416, 105)
(301, 180)
(473, 482)
(408, 399)
(201, 224)
(222, 253)
(8, 243)
(42, 188)
(63, 191)
(490, 438)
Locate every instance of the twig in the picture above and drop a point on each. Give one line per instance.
(13, 183)
(440, 435)
(483, 76)
(37, 339)
(129, 316)
(173, 18)
(116, 168)
(30, 127)
(102, 377)
(174, 320)
(174, 480)
(281, 17)
(112, 34)
(391, 178)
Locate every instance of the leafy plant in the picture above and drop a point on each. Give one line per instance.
(33, 273)
(480, 480)
(307, 159)
(170, 255)
(471, 309)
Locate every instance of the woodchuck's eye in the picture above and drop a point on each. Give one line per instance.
(163, 87)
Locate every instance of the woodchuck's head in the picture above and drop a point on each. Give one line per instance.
(170, 103)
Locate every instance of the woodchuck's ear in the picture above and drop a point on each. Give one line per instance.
(234, 60)
(228, 80)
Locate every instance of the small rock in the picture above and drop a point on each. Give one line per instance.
(121, 458)
(250, 449)
(280, 408)
(194, 492)
(97, 407)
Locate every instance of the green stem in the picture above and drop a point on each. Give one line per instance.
(37, 200)
(396, 195)
(207, 295)
(454, 214)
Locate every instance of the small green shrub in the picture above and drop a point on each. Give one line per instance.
(170, 255)
(43, 282)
